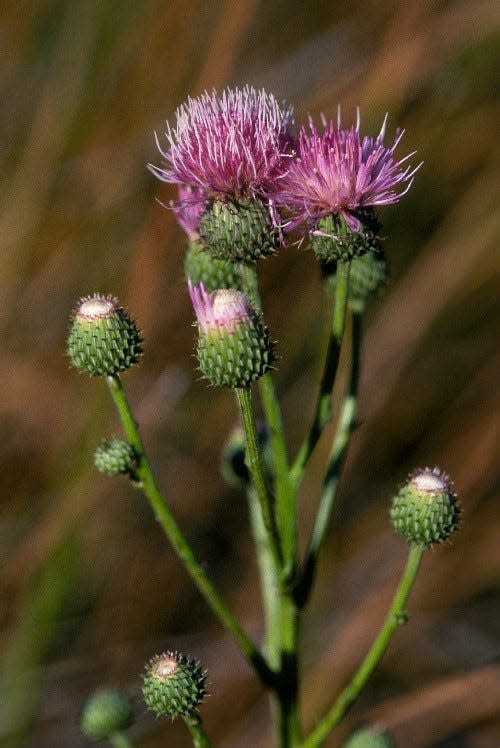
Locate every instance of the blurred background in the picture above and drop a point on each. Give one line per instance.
(89, 586)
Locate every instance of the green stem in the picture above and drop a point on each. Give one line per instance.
(119, 740)
(244, 398)
(287, 693)
(395, 617)
(269, 581)
(323, 411)
(286, 504)
(181, 546)
(200, 737)
(335, 463)
(286, 514)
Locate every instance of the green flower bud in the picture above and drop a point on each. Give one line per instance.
(372, 737)
(233, 465)
(367, 273)
(114, 457)
(336, 241)
(201, 266)
(105, 712)
(103, 339)
(174, 685)
(239, 231)
(425, 511)
(234, 348)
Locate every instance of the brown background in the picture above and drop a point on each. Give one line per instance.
(89, 587)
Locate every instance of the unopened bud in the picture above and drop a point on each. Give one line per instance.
(369, 737)
(103, 339)
(425, 511)
(234, 348)
(106, 712)
(114, 456)
(174, 685)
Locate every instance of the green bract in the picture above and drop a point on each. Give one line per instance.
(239, 231)
(336, 241)
(238, 357)
(200, 266)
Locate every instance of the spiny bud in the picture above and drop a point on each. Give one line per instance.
(103, 339)
(114, 457)
(425, 511)
(233, 346)
(200, 266)
(105, 712)
(335, 241)
(369, 737)
(233, 465)
(367, 274)
(240, 231)
(174, 685)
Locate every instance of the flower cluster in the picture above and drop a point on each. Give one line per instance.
(235, 161)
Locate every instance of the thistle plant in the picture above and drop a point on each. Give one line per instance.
(245, 184)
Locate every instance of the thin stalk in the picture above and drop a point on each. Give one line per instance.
(395, 617)
(120, 740)
(323, 410)
(286, 514)
(269, 581)
(336, 460)
(244, 399)
(200, 737)
(181, 546)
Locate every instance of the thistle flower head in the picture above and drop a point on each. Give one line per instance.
(233, 144)
(341, 172)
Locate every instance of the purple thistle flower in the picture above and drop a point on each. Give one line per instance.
(222, 309)
(188, 209)
(235, 145)
(340, 172)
